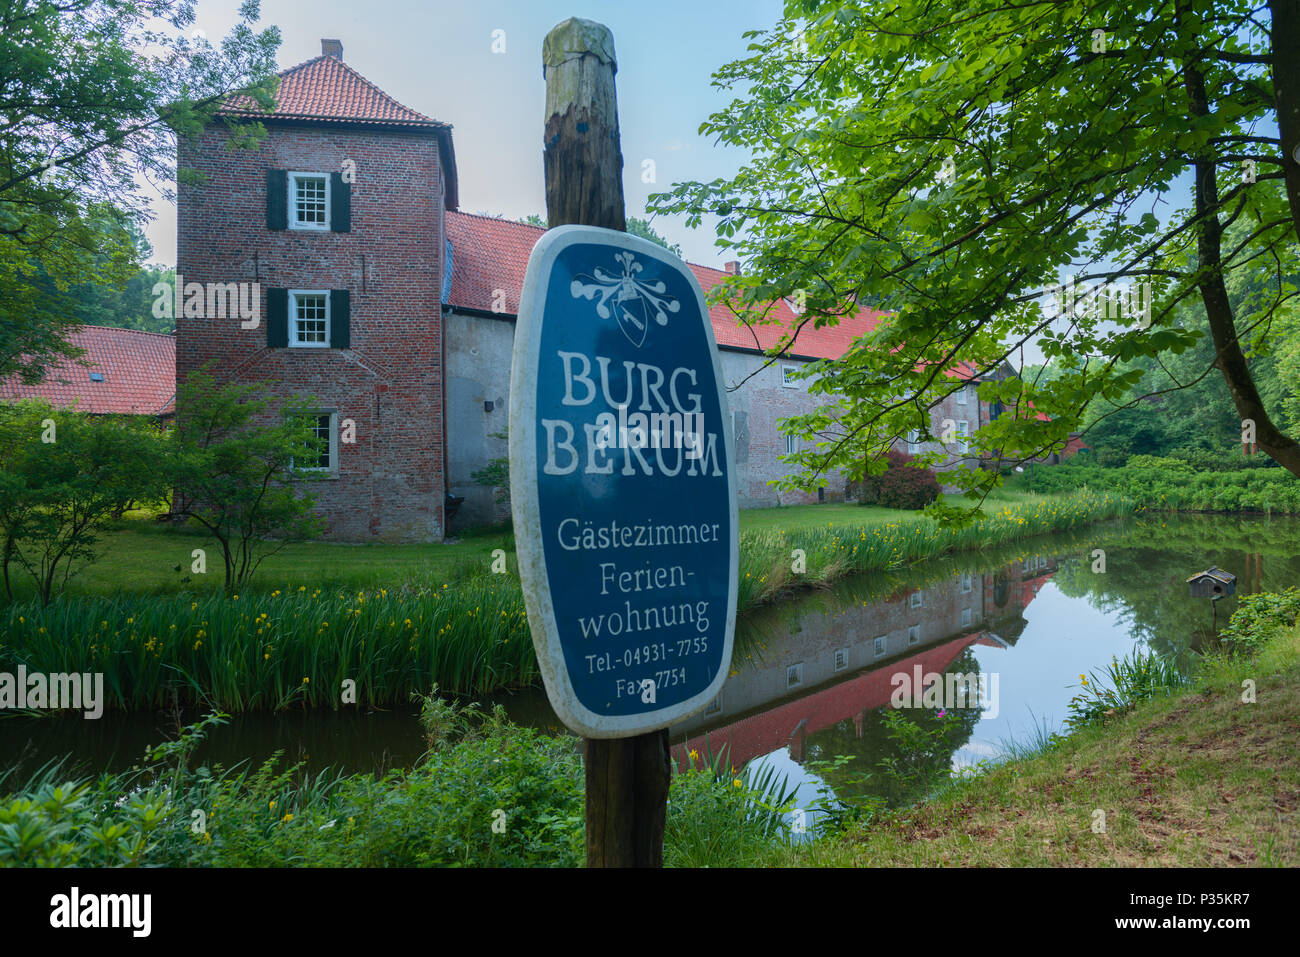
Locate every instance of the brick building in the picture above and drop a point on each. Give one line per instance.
(396, 312)
(338, 217)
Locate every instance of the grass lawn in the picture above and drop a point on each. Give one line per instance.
(143, 557)
(1194, 779)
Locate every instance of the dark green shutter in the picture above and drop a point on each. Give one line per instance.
(277, 318)
(277, 199)
(340, 319)
(340, 204)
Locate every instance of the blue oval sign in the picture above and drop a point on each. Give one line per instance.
(622, 483)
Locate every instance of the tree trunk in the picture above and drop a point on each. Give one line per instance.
(4, 566)
(1230, 360)
(582, 158)
(1285, 34)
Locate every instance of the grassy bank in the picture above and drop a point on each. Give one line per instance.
(282, 648)
(1196, 778)
(301, 646)
(1173, 484)
(769, 557)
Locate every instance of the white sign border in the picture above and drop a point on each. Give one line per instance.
(524, 492)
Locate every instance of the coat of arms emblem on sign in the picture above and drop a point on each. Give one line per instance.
(634, 300)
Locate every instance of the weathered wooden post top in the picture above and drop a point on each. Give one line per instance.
(583, 161)
(1214, 583)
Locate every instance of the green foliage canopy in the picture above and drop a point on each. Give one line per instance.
(92, 96)
(63, 476)
(957, 163)
(234, 469)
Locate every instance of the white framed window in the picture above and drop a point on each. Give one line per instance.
(913, 634)
(789, 376)
(879, 646)
(913, 441)
(841, 658)
(791, 444)
(794, 675)
(967, 580)
(309, 201)
(309, 318)
(965, 617)
(325, 431)
(963, 436)
(915, 600)
(963, 395)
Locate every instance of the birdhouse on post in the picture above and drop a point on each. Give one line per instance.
(1213, 583)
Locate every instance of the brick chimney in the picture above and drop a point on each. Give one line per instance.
(732, 267)
(332, 48)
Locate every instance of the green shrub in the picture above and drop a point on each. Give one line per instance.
(1203, 460)
(58, 825)
(490, 794)
(1172, 483)
(1157, 462)
(711, 824)
(1258, 617)
(901, 485)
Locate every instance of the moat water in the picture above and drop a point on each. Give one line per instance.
(813, 677)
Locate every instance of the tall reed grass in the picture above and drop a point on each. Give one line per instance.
(281, 649)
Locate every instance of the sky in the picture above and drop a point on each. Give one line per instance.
(436, 57)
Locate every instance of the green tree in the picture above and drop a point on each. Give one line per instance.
(1182, 405)
(92, 96)
(234, 470)
(64, 475)
(958, 162)
(126, 305)
(129, 305)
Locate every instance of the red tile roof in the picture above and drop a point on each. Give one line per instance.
(327, 90)
(490, 254)
(139, 370)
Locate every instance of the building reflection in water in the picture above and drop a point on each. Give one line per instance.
(836, 664)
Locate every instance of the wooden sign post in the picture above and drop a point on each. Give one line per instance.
(621, 467)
